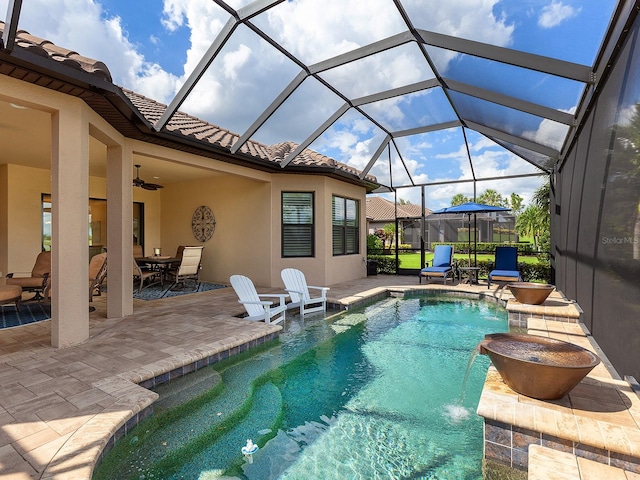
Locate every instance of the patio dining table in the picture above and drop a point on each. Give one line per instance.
(158, 262)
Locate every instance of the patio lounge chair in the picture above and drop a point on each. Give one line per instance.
(295, 284)
(11, 294)
(36, 281)
(97, 274)
(441, 266)
(257, 308)
(506, 266)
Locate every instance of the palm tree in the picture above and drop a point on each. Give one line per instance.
(542, 196)
(516, 204)
(491, 197)
(458, 199)
(533, 222)
(542, 200)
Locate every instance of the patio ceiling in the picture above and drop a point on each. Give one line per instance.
(423, 79)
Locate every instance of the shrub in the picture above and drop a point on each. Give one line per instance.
(540, 272)
(487, 247)
(531, 272)
(386, 265)
(374, 243)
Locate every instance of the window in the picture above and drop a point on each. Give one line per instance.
(297, 224)
(346, 238)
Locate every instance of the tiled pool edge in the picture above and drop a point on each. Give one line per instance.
(509, 445)
(513, 423)
(167, 376)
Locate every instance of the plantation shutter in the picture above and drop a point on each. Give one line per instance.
(297, 224)
(345, 222)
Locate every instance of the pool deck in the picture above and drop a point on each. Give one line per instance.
(60, 408)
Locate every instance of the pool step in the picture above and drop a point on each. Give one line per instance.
(546, 463)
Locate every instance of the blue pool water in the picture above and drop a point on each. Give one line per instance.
(377, 393)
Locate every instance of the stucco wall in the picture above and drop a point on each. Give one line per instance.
(241, 243)
(247, 239)
(596, 215)
(324, 268)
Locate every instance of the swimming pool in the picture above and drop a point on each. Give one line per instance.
(375, 393)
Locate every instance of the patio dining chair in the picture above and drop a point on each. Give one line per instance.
(142, 275)
(189, 267)
(255, 304)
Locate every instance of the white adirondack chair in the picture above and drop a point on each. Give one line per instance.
(295, 284)
(257, 308)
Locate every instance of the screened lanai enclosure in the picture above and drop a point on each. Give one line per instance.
(427, 96)
(412, 91)
(432, 98)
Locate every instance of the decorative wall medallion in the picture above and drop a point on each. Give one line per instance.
(203, 223)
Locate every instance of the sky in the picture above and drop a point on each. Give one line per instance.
(151, 46)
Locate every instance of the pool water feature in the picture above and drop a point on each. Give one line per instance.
(375, 393)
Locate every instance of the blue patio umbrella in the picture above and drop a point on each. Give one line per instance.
(472, 208)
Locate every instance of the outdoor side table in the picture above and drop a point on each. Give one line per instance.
(471, 274)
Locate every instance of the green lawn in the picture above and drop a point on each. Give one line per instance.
(412, 260)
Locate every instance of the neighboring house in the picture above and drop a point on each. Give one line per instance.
(381, 211)
(493, 227)
(70, 135)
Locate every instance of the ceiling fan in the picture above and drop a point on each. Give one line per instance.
(138, 182)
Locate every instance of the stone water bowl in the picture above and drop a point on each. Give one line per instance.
(531, 293)
(535, 366)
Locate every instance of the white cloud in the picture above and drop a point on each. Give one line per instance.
(233, 61)
(555, 13)
(85, 27)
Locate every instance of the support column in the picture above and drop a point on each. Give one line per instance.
(120, 231)
(70, 227)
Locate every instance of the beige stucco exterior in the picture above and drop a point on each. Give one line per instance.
(82, 156)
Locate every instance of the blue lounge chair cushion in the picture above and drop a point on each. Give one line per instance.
(506, 259)
(442, 256)
(505, 273)
(442, 270)
(506, 265)
(436, 269)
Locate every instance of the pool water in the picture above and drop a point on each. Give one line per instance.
(381, 392)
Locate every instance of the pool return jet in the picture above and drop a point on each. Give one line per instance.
(248, 450)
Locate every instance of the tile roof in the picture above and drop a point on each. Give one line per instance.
(380, 209)
(182, 124)
(190, 126)
(45, 48)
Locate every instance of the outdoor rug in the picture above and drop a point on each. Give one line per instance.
(30, 313)
(154, 292)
